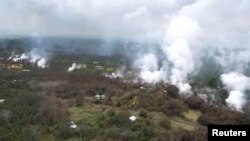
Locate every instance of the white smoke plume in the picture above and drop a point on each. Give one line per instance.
(31, 57)
(149, 69)
(76, 67)
(190, 35)
(180, 55)
(119, 73)
(17, 58)
(181, 33)
(236, 84)
(42, 63)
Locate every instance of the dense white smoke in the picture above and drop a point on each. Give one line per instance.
(42, 63)
(119, 73)
(149, 69)
(32, 57)
(197, 29)
(180, 55)
(17, 58)
(180, 35)
(236, 84)
(76, 67)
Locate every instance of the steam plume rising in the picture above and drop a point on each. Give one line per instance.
(76, 66)
(236, 84)
(32, 57)
(149, 69)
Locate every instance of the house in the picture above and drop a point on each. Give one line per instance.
(95, 63)
(2, 100)
(73, 125)
(99, 67)
(132, 118)
(100, 97)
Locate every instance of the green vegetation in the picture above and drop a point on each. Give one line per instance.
(41, 105)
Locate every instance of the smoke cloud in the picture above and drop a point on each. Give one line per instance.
(149, 69)
(76, 67)
(181, 32)
(236, 84)
(33, 57)
(186, 32)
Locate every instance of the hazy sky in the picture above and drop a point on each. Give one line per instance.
(122, 18)
(118, 18)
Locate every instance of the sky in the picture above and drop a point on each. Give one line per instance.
(140, 19)
(84, 18)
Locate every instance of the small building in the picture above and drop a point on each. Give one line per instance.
(142, 88)
(132, 118)
(2, 100)
(73, 125)
(100, 97)
(99, 67)
(95, 63)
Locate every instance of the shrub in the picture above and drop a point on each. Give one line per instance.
(165, 123)
(64, 131)
(194, 102)
(79, 100)
(30, 134)
(173, 91)
(120, 119)
(220, 115)
(51, 110)
(112, 133)
(246, 110)
(145, 134)
(174, 107)
(127, 135)
(143, 113)
(86, 132)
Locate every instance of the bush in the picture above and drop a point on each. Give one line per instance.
(86, 132)
(246, 110)
(64, 131)
(111, 113)
(128, 136)
(112, 133)
(79, 100)
(120, 119)
(143, 113)
(145, 134)
(30, 134)
(194, 102)
(173, 91)
(196, 135)
(220, 115)
(165, 123)
(152, 101)
(52, 110)
(174, 108)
